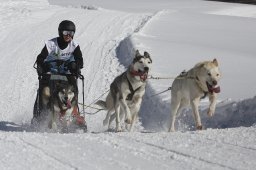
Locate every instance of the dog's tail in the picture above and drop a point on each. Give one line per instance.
(102, 104)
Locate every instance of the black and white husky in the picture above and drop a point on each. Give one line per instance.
(62, 103)
(126, 92)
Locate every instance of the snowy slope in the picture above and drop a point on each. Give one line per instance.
(209, 149)
(177, 34)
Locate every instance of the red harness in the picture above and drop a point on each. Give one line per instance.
(79, 120)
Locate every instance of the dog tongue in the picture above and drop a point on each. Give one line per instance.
(144, 76)
(68, 104)
(213, 89)
(216, 89)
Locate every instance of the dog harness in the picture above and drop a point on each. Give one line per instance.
(130, 95)
(79, 120)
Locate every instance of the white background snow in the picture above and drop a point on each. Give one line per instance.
(177, 34)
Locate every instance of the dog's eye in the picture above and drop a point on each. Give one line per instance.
(149, 62)
(140, 62)
(217, 74)
(209, 74)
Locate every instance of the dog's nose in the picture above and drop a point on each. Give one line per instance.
(66, 98)
(146, 68)
(214, 82)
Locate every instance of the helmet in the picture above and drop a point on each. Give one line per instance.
(66, 25)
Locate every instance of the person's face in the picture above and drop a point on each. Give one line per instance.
(68, 35)
(67, 38)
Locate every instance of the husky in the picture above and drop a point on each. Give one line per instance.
(189, 87)
(62, 103)
(126, 92)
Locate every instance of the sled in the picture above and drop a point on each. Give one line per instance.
(58, 75)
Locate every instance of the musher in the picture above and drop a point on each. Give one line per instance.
(59, 49)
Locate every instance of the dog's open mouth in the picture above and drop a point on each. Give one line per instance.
(213, 89)
(143, 74)
(67, 103)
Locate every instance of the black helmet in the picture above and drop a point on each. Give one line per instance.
(66, 25)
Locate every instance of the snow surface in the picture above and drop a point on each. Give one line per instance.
(177, 34)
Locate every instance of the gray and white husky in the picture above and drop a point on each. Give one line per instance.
(126, 92)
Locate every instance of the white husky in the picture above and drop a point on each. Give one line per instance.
(126, 92)
(191, 86)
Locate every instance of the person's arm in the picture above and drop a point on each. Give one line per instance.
(78, 57)
(41, 68)
(42, 56)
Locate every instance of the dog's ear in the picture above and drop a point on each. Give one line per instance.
(215, 62)
(137, 54)
(146, 54)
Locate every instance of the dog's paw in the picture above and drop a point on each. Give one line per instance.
(128, 121)
(171, 130)
(118, 129)
(54, 126)
(210, 113)
(199, 127)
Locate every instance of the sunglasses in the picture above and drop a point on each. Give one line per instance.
(71, 33)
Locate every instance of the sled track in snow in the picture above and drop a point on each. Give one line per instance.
(48, 155)
(186, 155)
(234, 145)
(108, 137)
(180, 153)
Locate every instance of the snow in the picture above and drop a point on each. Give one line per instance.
(177, 34)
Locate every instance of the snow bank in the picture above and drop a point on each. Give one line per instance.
(239, 11)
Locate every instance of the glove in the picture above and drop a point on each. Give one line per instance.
(74, 69)
(43, 68)
(46, 67)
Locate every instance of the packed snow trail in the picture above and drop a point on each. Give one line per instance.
(25, 25)
(190, 150)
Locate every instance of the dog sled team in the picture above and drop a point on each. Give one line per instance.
(58, 67)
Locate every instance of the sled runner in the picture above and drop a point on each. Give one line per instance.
(56, 104)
